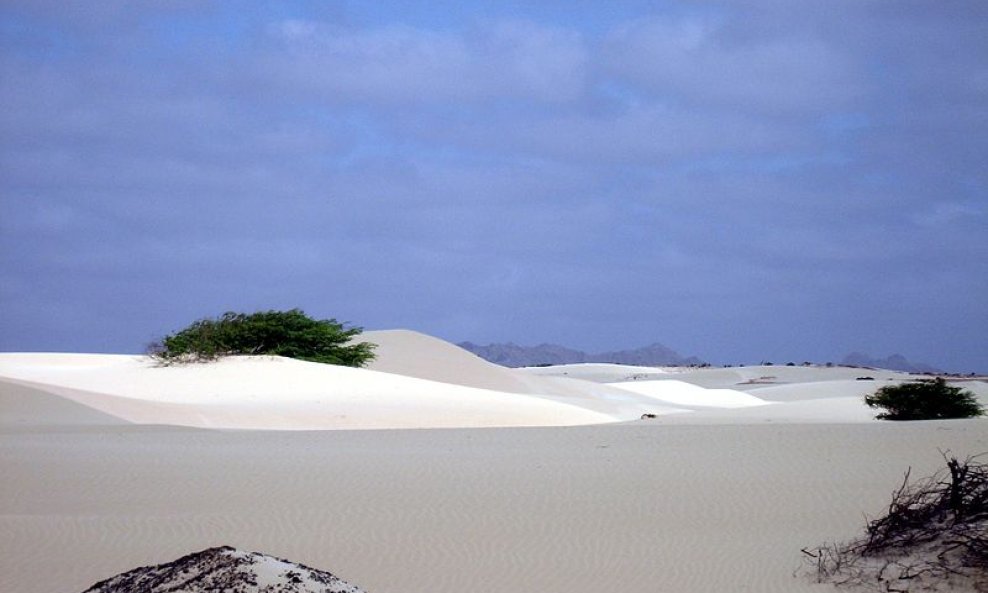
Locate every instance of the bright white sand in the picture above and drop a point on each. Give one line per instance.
(717, 499)
(414, 354)
(599, 372)
(278, 393)
(686, 394)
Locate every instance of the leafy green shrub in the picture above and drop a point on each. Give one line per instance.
(281, 333)
(924, 400)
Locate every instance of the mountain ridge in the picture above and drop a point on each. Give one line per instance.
(510, 354)
(895, 362)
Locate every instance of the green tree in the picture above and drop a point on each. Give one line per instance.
(292, 334)
(924, 400)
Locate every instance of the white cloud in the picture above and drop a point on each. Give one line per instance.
(820, 147)
(695, 60)
(399, 63)
(945, 213)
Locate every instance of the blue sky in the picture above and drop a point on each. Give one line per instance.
(741, 181)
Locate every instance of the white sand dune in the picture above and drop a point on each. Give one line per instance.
(278, 393)
(600, 372)
(421, 382)
(21, 405)
(104, 470)
(833, 410)
(793, 392)
(680, 393)
(755, 377)
(414, 354)
(640, 507)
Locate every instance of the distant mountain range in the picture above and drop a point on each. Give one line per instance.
(896, 362)
(513, 355)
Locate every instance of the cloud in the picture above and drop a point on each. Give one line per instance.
(650, 136)
(942, 214)
(704, 61)
(516, 60)
(602, 180)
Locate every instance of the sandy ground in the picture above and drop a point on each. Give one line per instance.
(714, 498)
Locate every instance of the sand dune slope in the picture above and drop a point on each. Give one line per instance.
(721, 498)
(271, 392)
(422, 382)
(755, 377)
(600, 372)
(635, 508)
(681, 393)
(22, 406)
(414, 354)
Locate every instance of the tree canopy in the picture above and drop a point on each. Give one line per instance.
(924, 400)
(292, 334)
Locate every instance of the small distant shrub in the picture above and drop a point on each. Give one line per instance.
(292, 334)
(924, 400)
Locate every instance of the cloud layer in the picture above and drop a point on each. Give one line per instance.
(742, 181)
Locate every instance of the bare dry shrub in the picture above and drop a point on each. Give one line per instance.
(934, 537)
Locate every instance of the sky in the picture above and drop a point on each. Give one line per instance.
(744, 181)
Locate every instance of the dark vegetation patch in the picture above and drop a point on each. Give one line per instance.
(292, 334)
(934, 537)
(925, 399)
